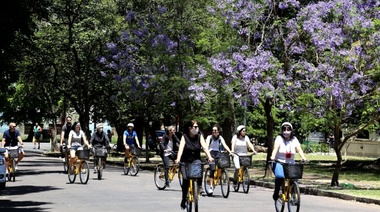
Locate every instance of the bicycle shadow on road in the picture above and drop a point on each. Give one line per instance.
(9, 206)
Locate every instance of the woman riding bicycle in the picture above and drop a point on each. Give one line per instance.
(285, 147)
(189, 150)
(99, 139)
(168, 150)
(75, 139)
(215, 143)
(239, 145)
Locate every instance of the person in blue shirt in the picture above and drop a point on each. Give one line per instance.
(130, 139)
(12, 138)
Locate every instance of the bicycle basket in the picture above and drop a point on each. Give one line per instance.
(224, 161)
(137, 151)
(100, 152)
(194, 170)
(293, 171)
(245, 160)
(13, 153)
(83, 154)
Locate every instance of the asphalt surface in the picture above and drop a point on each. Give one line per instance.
(45, 149)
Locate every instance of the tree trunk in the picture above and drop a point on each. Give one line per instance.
(270, 133)
(338, 145)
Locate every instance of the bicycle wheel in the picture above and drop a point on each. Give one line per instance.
(72, 175)
(100, 168)
(180, 179)
(225, 184)
(206, 181)
(195, 195)
(159, 177)
(84, 172)
(236, 185)
(65, 163)
(126, 167)
(279, 203)
(294, 201)
(246, 181)
(14, 170)
(135, 166)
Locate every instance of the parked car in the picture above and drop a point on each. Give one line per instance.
(3, 177)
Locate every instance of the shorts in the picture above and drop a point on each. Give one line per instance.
(20, 149)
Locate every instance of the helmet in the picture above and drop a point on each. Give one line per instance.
(239, 128)
(99, 125)
(130, 125)
(288, 124)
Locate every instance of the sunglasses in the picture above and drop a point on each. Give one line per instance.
(215, 130)
(195, 127)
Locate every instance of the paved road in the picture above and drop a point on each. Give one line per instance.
(41, 186)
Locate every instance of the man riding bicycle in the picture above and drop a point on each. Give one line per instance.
(11, 138)
(66, 128)
(129, 140)
(99, 139)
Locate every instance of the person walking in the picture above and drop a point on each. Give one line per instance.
(37, 135)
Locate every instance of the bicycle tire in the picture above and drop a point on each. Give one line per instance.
(246, 180)
(279, 203)
(159, 177)
(135, 166)
(126, 167)
(206, 181)
(66, 163)
(225, 184)
(84, 172)
(294, 201)
(100, 168)
(72, 175)
(195, 195)
(14, 171)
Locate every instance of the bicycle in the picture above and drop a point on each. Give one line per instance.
(132, 163)
(12, 155)
(66, 159)
(220, 176)
(290, 190)
(243, 176)
(100, 154)
(80, 166)
(159, 175)
(194, 171)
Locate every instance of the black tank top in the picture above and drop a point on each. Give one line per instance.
(192, 149)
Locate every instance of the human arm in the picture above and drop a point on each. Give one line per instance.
(62, 135)
(137, 140)
(275, 150)
(19, 139)
(180, 149)
(207, 142)
(69, 139)
(250, 145)
(107, 140)
(3, 142)
(204, 145)
(92, 139)
(225, 146)
(300, 151)
(233, 144)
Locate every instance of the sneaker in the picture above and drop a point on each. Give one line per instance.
(210, 190)
(16, 167)
(202, 192)
(183, 205)
(38, 146)
(6, 172)
(95, 170)
(63, 159)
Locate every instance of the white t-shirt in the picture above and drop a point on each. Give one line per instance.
(76, 137)
(240, 145)
(286, 147)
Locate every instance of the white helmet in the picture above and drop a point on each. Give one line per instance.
(130, 125)
(239, 128)
(287, 124)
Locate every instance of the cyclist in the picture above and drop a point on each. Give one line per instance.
(215, 143)
(99, 139)
(129, 140)
(239, 144)
(168, 148)
(74, 141)
(286, 145)
(189, 150)
(37, 131)
(66, 128)
(11, 138)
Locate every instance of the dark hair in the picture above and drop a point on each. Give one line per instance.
(188, 125)
(283, 127)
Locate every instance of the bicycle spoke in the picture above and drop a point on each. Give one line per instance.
(246, 181)
(206, 181)
(294, 200)
(84, 172)
(159, 177)
(225, 184)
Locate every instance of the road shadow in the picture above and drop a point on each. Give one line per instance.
(22, 190)
(16, 206)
